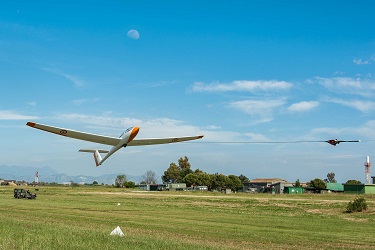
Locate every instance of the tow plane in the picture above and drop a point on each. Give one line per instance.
(334, 142)
(127, 138)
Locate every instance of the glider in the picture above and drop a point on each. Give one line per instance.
(125, 139)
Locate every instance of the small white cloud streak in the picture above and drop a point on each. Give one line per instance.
(364, 62)
(242, 85)
(363, 106)
(303, 106)
(77, 82)
(80, 102)
(347, 85)
(31, 104)
(256, 137)
(366, 131)
(11, 115)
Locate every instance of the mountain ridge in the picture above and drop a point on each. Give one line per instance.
(48, 174)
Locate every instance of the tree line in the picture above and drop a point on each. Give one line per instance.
(182, 173)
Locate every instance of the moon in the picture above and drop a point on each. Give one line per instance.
(133, 34)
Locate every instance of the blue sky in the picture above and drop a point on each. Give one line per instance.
(233, 71)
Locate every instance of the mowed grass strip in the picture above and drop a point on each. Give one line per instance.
(82, 218)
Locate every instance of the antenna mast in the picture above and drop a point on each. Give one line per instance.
(367, 169)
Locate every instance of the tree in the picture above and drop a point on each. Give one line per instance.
(94, 183)
(172, 174)
(330, 178)
(235, 182)
(129, 184)
(297, 183)
(120, 180)
(204, 179)
(243, 178)
(184, 163)
(149, 177)
(353, 182)
(317, 183)
(191, 179)
(220, 181)
(184, 167)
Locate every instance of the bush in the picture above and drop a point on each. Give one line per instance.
(358, 205)
(129, 184)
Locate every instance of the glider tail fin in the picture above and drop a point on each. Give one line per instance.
(97, 156)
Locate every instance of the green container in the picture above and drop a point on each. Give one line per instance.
(293, 190)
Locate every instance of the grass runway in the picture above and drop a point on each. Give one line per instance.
(83, 217)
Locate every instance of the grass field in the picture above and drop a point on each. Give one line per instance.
(83, 217)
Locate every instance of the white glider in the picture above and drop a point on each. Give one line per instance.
(125, 139)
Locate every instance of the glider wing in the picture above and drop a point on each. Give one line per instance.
(154, 141)
(113, 141)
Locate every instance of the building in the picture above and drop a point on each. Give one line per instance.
(359, 188)
(335, 187)
(266, 185)
(151, 187)
(176, 187)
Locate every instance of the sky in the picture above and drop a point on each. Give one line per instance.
(233, 71)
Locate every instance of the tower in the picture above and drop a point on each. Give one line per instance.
(36, 178)
(367, 169)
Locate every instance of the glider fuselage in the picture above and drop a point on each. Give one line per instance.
(125, 137)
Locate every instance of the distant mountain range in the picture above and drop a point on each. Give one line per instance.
(48, 174)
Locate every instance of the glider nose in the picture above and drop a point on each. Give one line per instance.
(133, 134)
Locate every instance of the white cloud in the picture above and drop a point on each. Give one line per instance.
(362, 106)
(100, 120)
(262, 110)
(257, 137)
(361, 62)
(11, 115)
(243, 85)
(213, 127)
(347, 85)
(80, 102)
(303, 106)
(31, 104)
(365, 131)
(254, 107)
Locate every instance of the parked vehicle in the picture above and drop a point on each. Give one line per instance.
(21, 193)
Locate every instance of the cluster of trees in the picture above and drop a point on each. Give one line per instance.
(183, 173)
(122, 181)
(322, 184)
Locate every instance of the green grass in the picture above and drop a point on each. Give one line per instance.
(83, 217)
